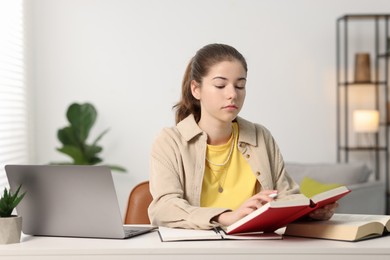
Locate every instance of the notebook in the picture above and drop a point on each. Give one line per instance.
(70, 201)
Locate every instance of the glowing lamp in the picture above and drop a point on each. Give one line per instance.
(365, 121)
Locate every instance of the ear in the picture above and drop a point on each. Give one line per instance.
(195, 89)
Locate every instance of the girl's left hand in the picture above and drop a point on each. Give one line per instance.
(324, 213)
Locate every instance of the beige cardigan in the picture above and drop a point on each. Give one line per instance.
(177, 168)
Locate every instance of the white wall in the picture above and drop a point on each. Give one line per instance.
(127, 58)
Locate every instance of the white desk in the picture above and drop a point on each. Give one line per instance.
(149, 246)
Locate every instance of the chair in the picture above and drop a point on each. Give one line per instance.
(137, 206)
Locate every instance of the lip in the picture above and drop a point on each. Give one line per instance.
(230, 107)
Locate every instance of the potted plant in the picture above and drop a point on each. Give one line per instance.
(10, 225)
(74, 137)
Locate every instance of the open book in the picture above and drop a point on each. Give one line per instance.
(347, 227)
(179, 234)
(276, 214)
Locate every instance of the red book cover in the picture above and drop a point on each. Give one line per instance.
(276, 214)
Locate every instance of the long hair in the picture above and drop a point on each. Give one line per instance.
(199, 67)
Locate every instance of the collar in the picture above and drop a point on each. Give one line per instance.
(189, 129)
(247, 131)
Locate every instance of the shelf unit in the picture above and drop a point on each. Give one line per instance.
(379, 47)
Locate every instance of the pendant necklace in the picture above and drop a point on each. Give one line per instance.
(220, 186)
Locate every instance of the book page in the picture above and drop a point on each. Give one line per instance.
(349, 227)
(290, 200)
(180, 234)
(330, 194)
(338, 230)
(251, 236)
(358, 219)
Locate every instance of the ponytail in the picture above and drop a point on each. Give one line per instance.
(188, 104)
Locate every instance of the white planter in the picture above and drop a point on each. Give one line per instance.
(10, 229)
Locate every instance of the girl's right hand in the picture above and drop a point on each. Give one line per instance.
(253, 203)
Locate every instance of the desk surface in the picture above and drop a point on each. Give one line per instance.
(149, 246)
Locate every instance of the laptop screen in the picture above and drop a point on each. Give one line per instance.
(67, 200)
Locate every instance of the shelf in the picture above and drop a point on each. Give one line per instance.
(384, 55)
(366, 148)
(377, 152)
(342, 84)
(363, 17)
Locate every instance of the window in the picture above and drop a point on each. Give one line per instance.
(13, 103)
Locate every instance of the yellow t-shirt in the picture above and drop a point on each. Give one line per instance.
(235, 179)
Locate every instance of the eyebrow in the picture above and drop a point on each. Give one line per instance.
(223, 78)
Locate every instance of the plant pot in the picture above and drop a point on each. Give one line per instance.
(10, 229)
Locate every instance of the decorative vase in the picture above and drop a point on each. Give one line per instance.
(10, 229)
(362, 68)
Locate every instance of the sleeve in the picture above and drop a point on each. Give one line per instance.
(282, 180)
(167, 185)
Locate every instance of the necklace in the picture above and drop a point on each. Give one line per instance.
(220, 186)
(228, 158)
(222, 165)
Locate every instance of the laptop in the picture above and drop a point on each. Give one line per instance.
(69, 201)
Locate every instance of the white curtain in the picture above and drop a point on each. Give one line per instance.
(13, 103)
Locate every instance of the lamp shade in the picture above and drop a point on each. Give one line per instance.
(366, 121)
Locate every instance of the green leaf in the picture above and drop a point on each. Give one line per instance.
(75, 153)
(91, 151)
(15, 199)
(100, 136)
(9, 201)
(117, 168)
(81, 117)
(67, 136)
(95, 160)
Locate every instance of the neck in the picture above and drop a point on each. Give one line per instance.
(217, 134)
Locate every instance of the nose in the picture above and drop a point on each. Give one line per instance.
(231, 92)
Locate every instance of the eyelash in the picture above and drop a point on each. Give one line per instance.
(220, 87)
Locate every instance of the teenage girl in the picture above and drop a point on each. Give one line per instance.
(214, 167)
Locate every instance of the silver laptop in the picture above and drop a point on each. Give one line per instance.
(69, 200)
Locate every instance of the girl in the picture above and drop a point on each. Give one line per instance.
(213, 167)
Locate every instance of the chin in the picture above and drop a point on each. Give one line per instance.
(229, 119)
